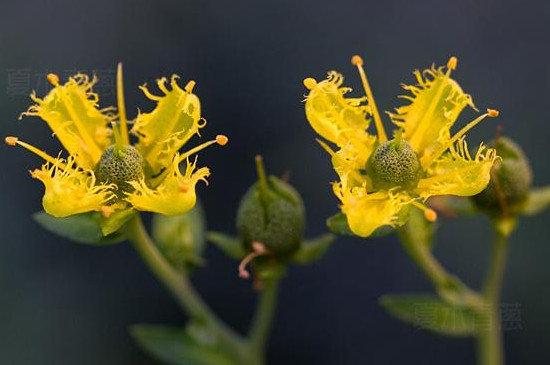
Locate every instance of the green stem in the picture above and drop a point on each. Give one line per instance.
(493, 281)
(263, 319)
(448, 285)
(489, 341)
(490, 346)
(178, 283)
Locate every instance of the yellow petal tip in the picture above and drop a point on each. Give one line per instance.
(310, 83)
(452, 63)
(190, 86)
(53, 79)
(221, 139)
(493, 113)
(357, 60)
(11, 141)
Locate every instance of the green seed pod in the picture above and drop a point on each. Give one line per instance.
(271, 213)
(394, 164)
(511, 179)
(120, 166)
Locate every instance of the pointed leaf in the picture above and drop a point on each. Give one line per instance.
(231, 246)
(116, 220)
(430, 313)
(80, 228)
(338, 224)
(538, 201)
(176, 346)
(312, 250)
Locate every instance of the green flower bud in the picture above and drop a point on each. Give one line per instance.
(394, 164)
(181, 238)
(120, 165)
(271, 213)
(511, 179)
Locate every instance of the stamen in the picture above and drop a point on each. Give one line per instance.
(429, 214)
(310, 83)
(451, 64)
(491, 113)
(220, 139)
(53, 79)
(358, 62)
(12, 141)
(258, 250)
(121, 106)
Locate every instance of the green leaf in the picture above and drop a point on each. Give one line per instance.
(81, 228)
(430, 313)
(538, 201)
(312, 250)
(338, 224)
(116, 220)
(181, 239)
(176, 346)
(418, 230)
(231, 246)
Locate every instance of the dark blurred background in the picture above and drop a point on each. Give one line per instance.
(65, 303)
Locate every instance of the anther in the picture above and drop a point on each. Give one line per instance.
(430, 215)
(492, 113)
(222, 139)
(53, 79)
(11, 141)
(451, 64)
(190, 86)
(310, 83)
(357, 60)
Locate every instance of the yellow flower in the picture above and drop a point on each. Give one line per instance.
(381, 178)
(104, 172)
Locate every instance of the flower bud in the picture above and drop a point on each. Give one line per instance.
(120, 165)
(511, 179)
(271, 213)
(182, 238)
(394, 164)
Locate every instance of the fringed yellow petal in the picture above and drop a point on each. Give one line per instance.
(70, 191)
(457, 173)
(333, 116)
(436, 102)
(175, 119)
(175, 195)
(71, 112)
(367, 212)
